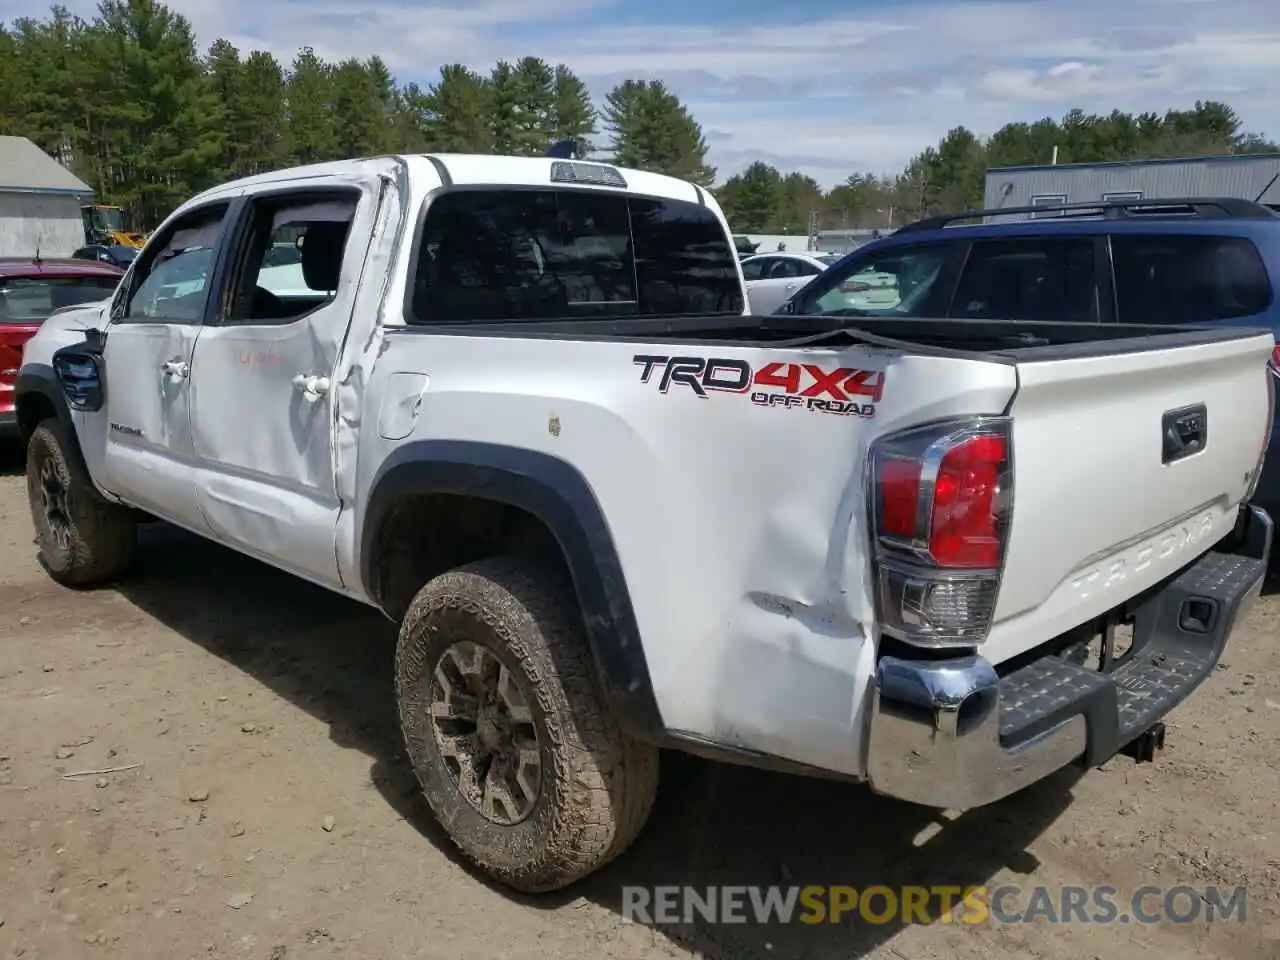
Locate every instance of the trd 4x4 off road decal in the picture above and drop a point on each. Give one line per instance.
(803, 386)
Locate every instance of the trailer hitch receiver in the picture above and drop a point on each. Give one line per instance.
(1144, 747)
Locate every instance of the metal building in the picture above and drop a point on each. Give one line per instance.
(1248, 177)
(39, 202)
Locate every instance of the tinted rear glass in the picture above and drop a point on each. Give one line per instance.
(31, 299)
(1031, 278)
(1187, 279)
(488, 255)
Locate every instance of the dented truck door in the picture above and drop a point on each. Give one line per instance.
(263, 398)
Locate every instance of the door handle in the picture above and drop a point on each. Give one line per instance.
(312, 387)
(791, 286)
(176, 369)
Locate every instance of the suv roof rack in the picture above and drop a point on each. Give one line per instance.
(1213, 208)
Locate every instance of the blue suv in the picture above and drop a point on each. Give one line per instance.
(1196, 261)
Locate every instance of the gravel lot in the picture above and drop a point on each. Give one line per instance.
(263, 808)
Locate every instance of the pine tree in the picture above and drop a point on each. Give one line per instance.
(650, 129)
(572, 113)
(533, 82)
(457, 112)
(313, 135)
(504, 109)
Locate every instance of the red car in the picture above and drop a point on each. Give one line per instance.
(30, 290)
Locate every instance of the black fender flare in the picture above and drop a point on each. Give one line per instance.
(39, 379)
(557, 494)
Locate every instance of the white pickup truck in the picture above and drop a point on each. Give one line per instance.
(520, 406)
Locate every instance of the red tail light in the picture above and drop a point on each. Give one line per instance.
(951, 513)
(854, 287)
(1274, 362)
(940, 514)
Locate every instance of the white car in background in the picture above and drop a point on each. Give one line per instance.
(773, 278)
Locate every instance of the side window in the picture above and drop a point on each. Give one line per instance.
(170, 280)
(1039, 278)
(785, 268)
(291, 261)
(808, 269)
(753, 270)
(897, 282)
(489, 255)
(1187, 279)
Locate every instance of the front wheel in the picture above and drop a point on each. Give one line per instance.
(518, 757)
(81, 538)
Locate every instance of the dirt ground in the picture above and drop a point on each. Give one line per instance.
(263, 809)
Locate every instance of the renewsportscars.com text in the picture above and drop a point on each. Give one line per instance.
(933, 904)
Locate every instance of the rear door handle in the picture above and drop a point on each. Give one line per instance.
(312, 387)
(176, 369)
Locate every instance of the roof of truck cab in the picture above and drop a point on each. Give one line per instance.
(486, 169)
(465, 169)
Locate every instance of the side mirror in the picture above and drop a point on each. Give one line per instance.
(79, 371)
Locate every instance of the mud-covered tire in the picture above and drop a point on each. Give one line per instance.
(597, 784)
(99, 538)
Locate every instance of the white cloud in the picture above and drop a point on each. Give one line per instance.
(862, 90)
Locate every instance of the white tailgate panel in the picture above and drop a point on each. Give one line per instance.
(1097, 516)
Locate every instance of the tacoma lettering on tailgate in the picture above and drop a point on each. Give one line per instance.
(1137, 558)
(790, 386)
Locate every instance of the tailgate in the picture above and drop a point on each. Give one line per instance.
(1111, 493)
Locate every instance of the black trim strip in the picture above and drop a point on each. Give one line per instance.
(558, 495)
(441, 171)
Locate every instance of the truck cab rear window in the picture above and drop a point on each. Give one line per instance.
(494, 255)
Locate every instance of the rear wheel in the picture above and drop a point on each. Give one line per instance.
(81, 538)
(517, 755)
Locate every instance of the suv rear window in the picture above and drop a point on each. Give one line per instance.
(32, 299)
(490, 255)
(1187, 279)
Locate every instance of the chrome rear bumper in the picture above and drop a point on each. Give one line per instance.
(955, 734)
(935, 736)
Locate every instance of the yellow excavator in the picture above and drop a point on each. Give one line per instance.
(104, 224)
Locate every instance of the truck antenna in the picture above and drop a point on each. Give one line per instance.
(1264, 190)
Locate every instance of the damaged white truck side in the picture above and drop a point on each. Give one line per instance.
(518, 405)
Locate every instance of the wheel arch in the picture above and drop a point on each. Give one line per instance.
(37, 396)
(557, 496)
